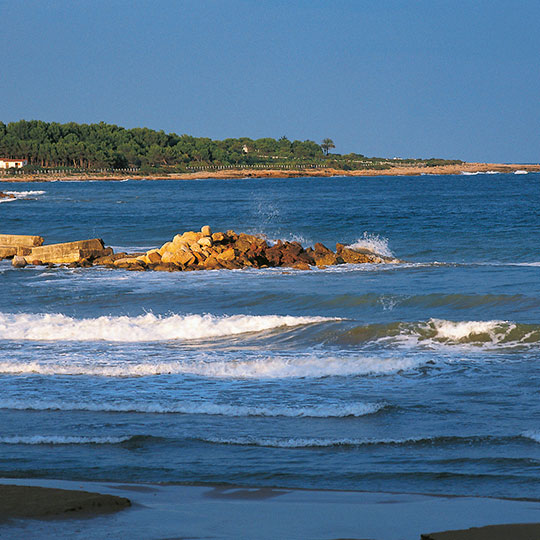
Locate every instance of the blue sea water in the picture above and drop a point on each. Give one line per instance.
(422, 376)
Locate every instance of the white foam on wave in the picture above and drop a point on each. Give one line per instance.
(467, 173)
(374, 243)
(7, 200)
(59, 439)
(24, 194)
(533, 435)
(459, 330)
(308, 442)
(490, 335)
(521, 172)
(272, 367)
(144, 328)
(338, 410)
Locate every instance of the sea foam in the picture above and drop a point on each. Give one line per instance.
(144, 328)
(374, 243)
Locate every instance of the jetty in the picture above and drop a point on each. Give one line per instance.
(203, 250)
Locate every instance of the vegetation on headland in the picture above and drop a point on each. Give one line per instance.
(87, 147)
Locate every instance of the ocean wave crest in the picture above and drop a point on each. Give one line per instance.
(338, 410)
(60, 439)
(144, 328)
(321, 442)
(487, 334)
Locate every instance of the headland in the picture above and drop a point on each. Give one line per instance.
(245, 173)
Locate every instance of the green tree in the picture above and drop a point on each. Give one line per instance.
(327, 144)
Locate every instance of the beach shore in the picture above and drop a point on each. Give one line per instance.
(177, 511)
(285, 173)
(33, 502)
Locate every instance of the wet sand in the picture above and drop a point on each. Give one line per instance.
(283, 173)
(40, 502)
(523, 531)
(176, 511)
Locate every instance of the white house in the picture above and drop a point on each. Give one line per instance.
(6, 163)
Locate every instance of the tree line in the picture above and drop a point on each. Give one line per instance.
(51, 144)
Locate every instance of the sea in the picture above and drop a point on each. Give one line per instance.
(416, 377)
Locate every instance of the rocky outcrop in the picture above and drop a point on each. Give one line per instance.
(203, 250)
(6, 195)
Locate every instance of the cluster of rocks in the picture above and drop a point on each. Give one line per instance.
(6, 195)
(205, 250)
(191, 250)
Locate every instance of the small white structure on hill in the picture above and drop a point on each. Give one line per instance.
(7, 163)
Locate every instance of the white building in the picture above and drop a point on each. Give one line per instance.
(6, 163)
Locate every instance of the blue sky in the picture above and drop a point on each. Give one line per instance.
(408, 78)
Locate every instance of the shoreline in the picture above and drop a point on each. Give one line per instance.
(223, 511)
(232, 174)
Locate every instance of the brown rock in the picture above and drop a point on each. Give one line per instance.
(165, 267)
(206, 230)
(328, 259)
(70, 251)
(212, 263)
(183, 258)
(6, 195)
(18, 262)
(226, 256)
(153, 256)
(205, 241)
(218, 237)
(302, 266)
(128, 261)
(273, 254)
(167, 246)
(351, 256)
(19, 240)
(6, 252)
(321, 249)
(191, 236)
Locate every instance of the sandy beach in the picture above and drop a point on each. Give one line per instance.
(284, 173)
(176, 511)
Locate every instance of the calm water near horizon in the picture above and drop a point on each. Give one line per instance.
(417, 377)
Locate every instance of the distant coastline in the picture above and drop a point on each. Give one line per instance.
(240, 173)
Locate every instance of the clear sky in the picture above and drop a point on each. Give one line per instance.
(407, 78)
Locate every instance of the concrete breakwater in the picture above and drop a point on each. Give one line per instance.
(191, 250)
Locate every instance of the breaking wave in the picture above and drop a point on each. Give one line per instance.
(274, 367)
(374, 243)
(533, 435)
(487, 334)
(308, 442)
(144, 328)
(58, 439)
(24, 194)
(339, 410)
